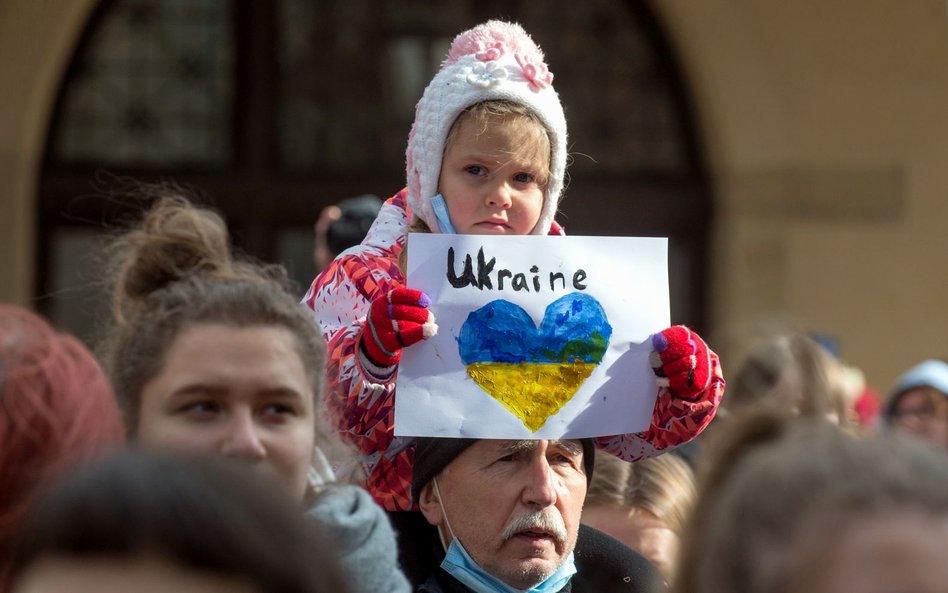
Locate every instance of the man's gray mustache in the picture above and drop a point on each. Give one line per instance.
(536, 521)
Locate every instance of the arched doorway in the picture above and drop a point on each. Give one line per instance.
(272, 109)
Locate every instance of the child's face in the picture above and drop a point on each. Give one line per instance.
(490, 183)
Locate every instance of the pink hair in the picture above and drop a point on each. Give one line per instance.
(56, 407)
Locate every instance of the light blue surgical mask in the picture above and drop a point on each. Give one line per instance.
(459, 564)
(441, 213)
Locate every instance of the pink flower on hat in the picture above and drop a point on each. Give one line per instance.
(537, 74)
(491, 52)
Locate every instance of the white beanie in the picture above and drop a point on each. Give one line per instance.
(495, 60)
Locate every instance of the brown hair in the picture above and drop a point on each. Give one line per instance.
(176, 270)
(780, 488)
(789, 371)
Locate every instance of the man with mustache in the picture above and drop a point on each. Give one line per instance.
(507, 515)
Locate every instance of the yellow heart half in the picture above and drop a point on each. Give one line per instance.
(532, 391)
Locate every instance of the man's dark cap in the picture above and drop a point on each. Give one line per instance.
(433, 454)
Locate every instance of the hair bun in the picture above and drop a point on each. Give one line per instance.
(175, 240)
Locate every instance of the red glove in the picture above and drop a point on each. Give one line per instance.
(681, 361)
(397, 319)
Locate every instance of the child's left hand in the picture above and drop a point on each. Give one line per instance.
(681, 362)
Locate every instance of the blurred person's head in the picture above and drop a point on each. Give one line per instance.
(796, 505)
(644, 504)
(918, 404)
(790, 372)
(512, 507)
(212, 354)
(56, 408)
(342, 225)
(865, 400)
(143, 522)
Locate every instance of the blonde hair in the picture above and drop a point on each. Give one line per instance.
(533, 135)
(664, 486)
(609, 481)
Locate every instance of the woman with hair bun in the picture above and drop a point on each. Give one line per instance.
(212, 354)
(56, 407)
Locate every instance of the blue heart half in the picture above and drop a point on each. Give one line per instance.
(534, 371)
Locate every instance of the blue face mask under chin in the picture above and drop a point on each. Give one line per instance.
(459, 564)
(441, 213)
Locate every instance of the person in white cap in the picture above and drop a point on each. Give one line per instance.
(918, 404)
(486, 155)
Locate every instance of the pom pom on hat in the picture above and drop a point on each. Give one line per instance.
(493, 61)
(484, 38)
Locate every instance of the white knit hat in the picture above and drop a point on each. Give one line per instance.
(495, 60)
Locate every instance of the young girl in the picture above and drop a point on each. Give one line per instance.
(486, 155)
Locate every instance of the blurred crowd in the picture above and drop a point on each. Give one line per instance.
(807, 480)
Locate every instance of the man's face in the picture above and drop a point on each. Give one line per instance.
(514, 505)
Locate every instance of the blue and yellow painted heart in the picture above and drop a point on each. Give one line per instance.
(533, 371)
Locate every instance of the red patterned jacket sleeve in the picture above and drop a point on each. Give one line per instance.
(675, 421)
(361, 409)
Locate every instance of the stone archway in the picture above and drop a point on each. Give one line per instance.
(36, 42)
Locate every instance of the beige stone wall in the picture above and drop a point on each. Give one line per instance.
(826, 129)
(36, 41)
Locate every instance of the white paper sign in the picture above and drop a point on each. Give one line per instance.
(538, 337)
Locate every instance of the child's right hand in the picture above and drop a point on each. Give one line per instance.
(397, 319)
